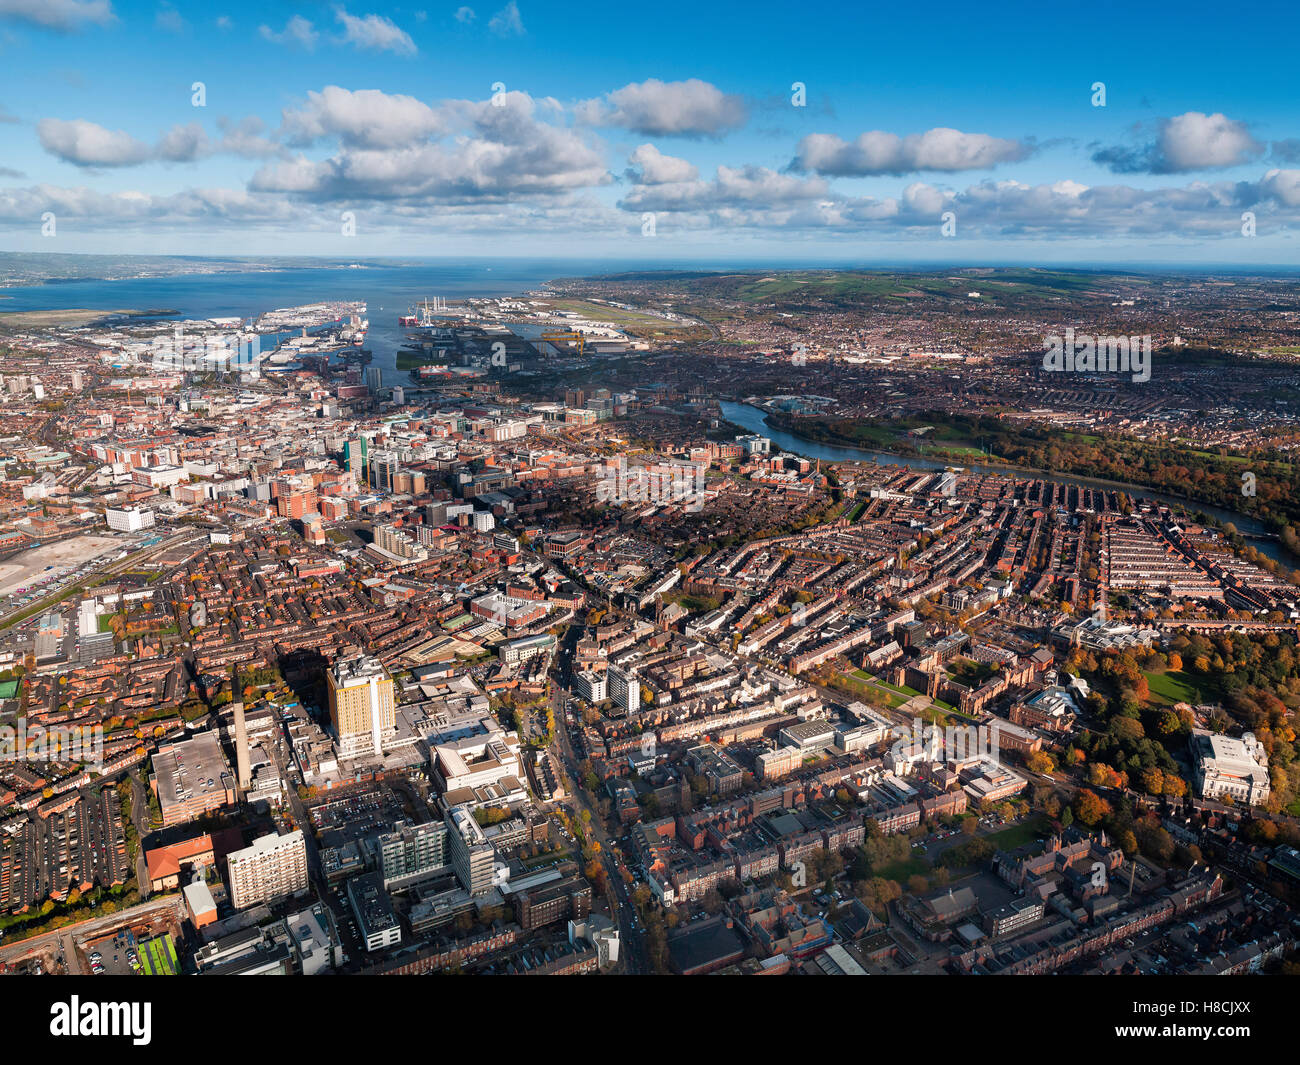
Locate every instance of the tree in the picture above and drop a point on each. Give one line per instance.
(1039, 762)
(1090, 807)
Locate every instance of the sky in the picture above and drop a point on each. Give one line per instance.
(1096, 133)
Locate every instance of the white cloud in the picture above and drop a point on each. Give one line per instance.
(364, 118)
(245, 138)
(691, 108)
(84, 143)
(879, 152)
(465, 15)
(183, 144)
(58, 14)
(297, 30)
(94, 209)
(169, 19)
(649, 166)
(470, 198)
(87, 144)
(762, 201)
(498, 153)
(1282, 186)
(745, 186)
(506, 22)
(375, 33)
(1190, 141)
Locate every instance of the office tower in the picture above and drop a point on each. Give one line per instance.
(472, 856)
(271, 867)
(374, 378)
(384, 465)
(413, 852)
(361, 705)
(356, 456)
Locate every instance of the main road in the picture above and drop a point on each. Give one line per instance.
(633, 954)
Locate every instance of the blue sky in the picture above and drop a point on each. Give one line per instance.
(665, 131)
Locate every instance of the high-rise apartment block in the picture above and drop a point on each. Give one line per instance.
(361, 704)
(273, 866)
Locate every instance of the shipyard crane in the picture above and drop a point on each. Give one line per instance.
(557, 338)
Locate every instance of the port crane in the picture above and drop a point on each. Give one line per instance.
(558, 338)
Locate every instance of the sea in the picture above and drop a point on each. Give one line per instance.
(387, 290)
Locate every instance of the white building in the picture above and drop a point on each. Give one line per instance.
(129, 519)
(1227, 766)
(624, 689)
(273, 866)
(478, 761)
(314, 940)
(594, 687)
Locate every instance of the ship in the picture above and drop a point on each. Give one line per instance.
(422, 315)
(354, 332)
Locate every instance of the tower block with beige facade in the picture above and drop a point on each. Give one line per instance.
(361, 704)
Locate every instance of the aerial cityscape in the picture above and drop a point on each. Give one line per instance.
(443, 530)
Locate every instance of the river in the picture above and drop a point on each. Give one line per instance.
(755, 420)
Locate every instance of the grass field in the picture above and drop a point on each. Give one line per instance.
(1018, 835)
(853, 682)
(900, 871)
(895, 688)
(1175, 687)
(158, 956)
